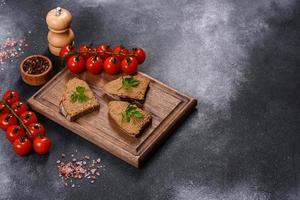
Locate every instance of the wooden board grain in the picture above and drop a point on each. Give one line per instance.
(166, 105)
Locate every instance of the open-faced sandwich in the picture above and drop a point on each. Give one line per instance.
(129, 118)
(128, 88)
(78, 100)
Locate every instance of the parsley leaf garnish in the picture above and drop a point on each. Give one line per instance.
(78, 95)
(129, 81)
(131, 111)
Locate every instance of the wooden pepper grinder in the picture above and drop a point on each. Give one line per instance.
(60, 34)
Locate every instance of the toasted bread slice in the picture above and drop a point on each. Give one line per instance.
(73, 110)
(133, 127)
(137, 93)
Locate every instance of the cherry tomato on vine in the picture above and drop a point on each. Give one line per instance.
(28, 117)
(41, 145)
(120, 49)
(7, 120)
(139, 54)
(129, 65)
(19, 107)
(102, 48)
(76, 64)
(94, 64)
(65, 50)
(11, 96)
(112, 65)
(36, 130)
(85, 47)
(14, 132)
(3, 109)
(22, 146)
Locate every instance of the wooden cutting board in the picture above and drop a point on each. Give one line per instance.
(166, 105)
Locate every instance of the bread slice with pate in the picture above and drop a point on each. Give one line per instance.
(77, 100)
(128, 88)
(128, 117)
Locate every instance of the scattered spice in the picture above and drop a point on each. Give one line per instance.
(2, 3)
(10, 48)
(77, 169)
(35, 65)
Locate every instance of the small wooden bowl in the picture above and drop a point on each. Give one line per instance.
(36, 79)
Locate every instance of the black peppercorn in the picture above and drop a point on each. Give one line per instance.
(35, 65)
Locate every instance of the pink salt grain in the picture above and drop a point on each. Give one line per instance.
(77, 169)
(10, 48)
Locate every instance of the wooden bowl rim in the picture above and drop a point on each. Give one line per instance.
(35, 75)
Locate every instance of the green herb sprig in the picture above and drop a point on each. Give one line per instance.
(129, 82)
(131, 111)
(78, 95)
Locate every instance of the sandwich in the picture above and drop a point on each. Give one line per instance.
(128, 88)
(128, 117)
(77, 100)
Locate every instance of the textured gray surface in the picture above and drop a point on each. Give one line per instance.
(240, 59)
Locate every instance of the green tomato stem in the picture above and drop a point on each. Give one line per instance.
(19, 119)
(97, 53)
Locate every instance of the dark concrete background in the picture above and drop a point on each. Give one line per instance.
(240, 59)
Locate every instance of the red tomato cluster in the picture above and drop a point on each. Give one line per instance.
(102, 57)
(21, 126)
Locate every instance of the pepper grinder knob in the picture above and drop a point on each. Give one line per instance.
(58, 11)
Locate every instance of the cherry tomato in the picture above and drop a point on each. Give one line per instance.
(85, 47)
(41, 145)
(129, 65)
(120, 49)
(94, 64)
(3, 109)
(22, 146)
(11, 96)
(7, 120)
(102, 48)
(65, 50)
(76, 64)
(14, 132)
(139, 54)
(19, 107)
(112, 65)
(28, 117)
(36, 130)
